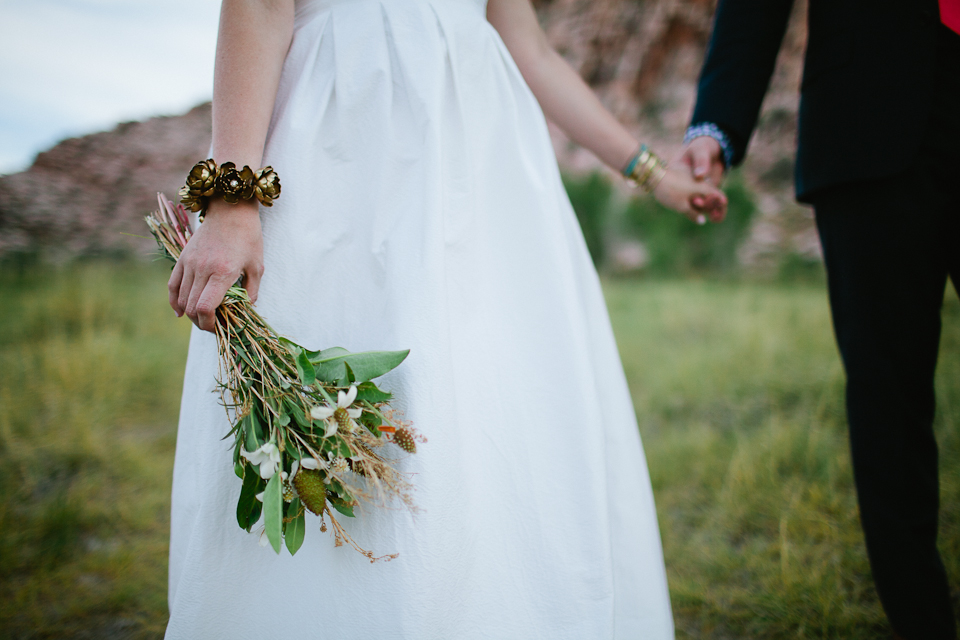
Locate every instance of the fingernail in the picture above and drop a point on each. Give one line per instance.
(701, 219)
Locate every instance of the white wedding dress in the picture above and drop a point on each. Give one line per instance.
(422, 209)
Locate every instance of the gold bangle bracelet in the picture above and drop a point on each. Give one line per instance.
(646, 170)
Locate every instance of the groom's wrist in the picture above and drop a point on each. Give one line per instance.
(712, 130)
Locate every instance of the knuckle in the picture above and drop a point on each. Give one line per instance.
(221, 269)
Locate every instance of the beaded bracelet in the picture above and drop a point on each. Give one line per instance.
(645, 169)
(207, 180)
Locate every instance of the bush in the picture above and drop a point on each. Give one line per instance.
(590, 197)
(677, 246)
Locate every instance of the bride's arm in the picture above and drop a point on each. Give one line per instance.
(252, 43)
(567, 100)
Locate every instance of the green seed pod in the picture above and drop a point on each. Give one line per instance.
(311, 489)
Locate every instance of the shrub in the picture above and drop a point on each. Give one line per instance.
(676, 245)
(590, 197)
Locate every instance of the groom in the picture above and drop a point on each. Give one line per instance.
(879, 160)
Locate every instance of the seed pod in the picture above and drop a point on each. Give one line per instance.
(311, 489)
(404, 439)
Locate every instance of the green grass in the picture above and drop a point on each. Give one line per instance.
(739, 394)
(737, 387)
(91, 366)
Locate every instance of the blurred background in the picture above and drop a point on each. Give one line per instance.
(724, 330)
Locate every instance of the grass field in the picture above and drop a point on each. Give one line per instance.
(737, 387)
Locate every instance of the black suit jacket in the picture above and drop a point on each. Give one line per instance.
(866, 90)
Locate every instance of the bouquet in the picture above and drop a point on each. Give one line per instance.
(309, 428)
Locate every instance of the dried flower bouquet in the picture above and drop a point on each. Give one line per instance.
(309, 427)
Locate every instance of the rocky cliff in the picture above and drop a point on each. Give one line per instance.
(641, 56)
(85, 194)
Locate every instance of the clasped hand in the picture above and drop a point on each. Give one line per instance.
(690, 185)
(226, 248)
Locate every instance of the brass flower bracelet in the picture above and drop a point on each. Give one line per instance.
(207, 180)
(645, 169)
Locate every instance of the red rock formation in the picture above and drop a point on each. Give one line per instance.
(643, 58)
(84, 194)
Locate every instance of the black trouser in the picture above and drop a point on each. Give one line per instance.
(888, 246)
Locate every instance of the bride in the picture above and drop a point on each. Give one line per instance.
(422, 208)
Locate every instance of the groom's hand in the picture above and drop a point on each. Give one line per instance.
(703, 157)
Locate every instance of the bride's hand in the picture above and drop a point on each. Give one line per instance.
(228, 245)
(698, 200)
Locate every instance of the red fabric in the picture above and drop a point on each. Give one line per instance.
(950, 14)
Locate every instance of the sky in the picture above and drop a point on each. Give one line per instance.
(72, 67)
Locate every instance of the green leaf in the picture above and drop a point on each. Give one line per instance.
(246, 358)
(305, 370)
(273, 512)
(345, 450)
(253, 432)
(332, 352)
(296, 528)
(292, 450)
(248, 507)
(284, 418)
(364, 366)
(370, 393)
(347, 378)
(292, 347)
(294, 409)
(372, 419)
(336, 489)
(345, 508)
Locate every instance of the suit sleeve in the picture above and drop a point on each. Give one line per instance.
(740, 59)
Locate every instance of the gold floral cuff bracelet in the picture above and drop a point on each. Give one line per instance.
(207, 180)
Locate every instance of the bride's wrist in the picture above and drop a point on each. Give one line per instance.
(245, 210)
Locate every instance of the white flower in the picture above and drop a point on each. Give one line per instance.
(267, 456)
(342, 416)
(306, 463)
(340, 465)
(321, 412)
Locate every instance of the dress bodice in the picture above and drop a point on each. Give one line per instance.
(304, 7)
